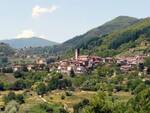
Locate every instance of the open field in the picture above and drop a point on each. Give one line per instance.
(22, 60)
(69, 101)
(7, 78)
(55, 97)
(3, 93)
(123, 96)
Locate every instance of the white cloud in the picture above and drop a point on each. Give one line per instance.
(26, 34)
(37, 10)
(29, 34)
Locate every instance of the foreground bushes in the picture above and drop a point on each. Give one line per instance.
(102, 103)
(12, 96)
(11, 107)
(47, 108)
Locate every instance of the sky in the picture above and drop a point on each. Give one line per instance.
(60, 20)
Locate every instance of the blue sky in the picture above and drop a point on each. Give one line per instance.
(60, 20)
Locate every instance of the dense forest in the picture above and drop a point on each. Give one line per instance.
(135, 38)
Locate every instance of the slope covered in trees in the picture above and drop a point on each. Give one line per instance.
(93, 35)
(121, 36)
(5, 49)
(131, 39)
(89, 39)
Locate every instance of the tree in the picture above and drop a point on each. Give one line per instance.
(78, 107)
(18, 74)
(25, 69)
(20, 98)
(132, 84)
(1, 86)
(141, 66)
(78, 80)
(12, 107)
(21, 84)
(7, 70)
(41, 89)
(9, 97)
(104, 71)
(147, 62)
(72, 73)
(58, 82)
(141, 102)
(90, 85)
(139, 88)
(12, 96)
(98, 104)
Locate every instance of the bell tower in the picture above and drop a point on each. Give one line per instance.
(77, 53)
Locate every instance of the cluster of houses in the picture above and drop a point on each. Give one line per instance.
(39, 64)
(81, 63)
(128, 63)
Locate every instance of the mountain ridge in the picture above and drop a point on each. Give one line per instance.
(130, 41)
(117, 23)
(28, 42)
(101, 40)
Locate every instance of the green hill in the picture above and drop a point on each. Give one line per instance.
(118, 23)
(122, 36)
(6, 50)
(134, 39)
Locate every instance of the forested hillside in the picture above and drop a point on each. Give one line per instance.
(129, 41)
(5, 49)
(121, 36)
(118, 23)
(89, 39)
(133, 39)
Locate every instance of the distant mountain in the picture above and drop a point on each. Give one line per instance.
(29, 42)
(118, 23)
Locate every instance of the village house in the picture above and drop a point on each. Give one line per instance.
(80, 63)
(41, 61)
(30, 67)
(63, 66)
(127, 63)
(108, 60)
(125, 68)
(17, 68)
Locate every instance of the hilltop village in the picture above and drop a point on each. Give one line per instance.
(81, 64)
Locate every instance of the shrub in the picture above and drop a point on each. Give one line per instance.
(41, 89)
(12, 96)
(62, 97)
(12, 107)
(68, 93)
(1, 86)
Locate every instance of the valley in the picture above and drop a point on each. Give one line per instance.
(106, 70)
